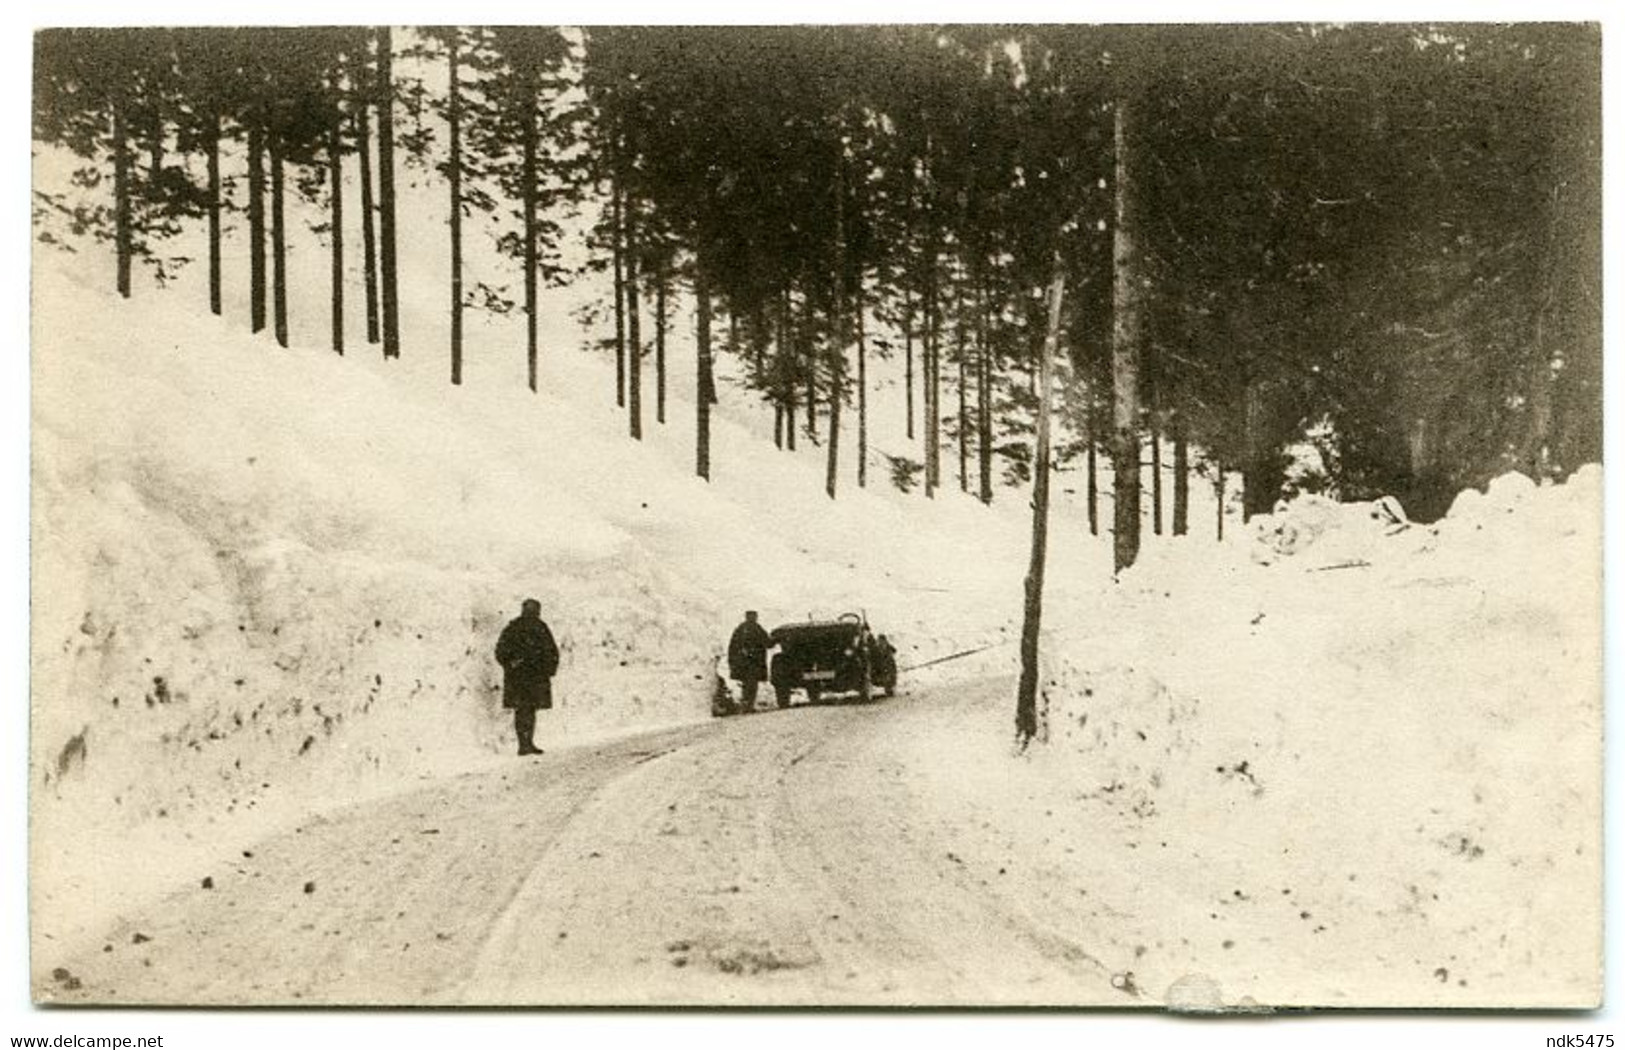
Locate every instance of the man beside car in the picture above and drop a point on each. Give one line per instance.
(747, 658)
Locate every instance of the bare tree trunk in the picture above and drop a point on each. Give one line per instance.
(984, 398)
(528, 173)
(1092, 429)
(863, 392)
(256, 219)
(1032, 618)
(838, 369)
(787, 346)
(837, 351)
(214, 215)
(634, 339)
(933, 371)
(908, 358)
(1182, 478)
(123, 235)
(386, 193)
(618, 253)
(1126, 337)
(777, 395)
(703, 380)
(1218, 490)
(369, 235)
(964, 416)
(279, 244)
(812, 393)
(335, 185)
(661, 280)
(454, 117)
(758, 341)
(1156, 478)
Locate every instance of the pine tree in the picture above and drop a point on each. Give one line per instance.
(388, 274)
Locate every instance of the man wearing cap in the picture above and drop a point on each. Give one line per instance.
(529, 659)
(747, 658)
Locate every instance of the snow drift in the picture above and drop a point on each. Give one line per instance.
(1344, 758)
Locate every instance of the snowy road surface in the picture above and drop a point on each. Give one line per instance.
(781, 858)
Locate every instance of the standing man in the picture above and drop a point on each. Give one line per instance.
(529, 659)
(747, 658)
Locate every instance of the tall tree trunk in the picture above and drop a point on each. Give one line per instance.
(335, 186)
(1218, 491)
(1094, 472)
(661, 281)
(984, 398)
(123, 236)
(837, 350)
(214, 214)
(964, 416)
(908, 358)
(1032, 618)
(454, 120)
(702, 379)
(863, 389)
(634, 339)
(775, 390)
(618, 260)
(1156, 478)
(933, 371)
(386, 192)
(1127, 319)
(1182, 478)
(279, 244)
(369, 208)
(812, 394)
(787, 346)
(528, 173)
(832, 465)
(758, 341)
(256, 219)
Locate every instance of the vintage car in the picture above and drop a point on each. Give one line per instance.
(827, 657)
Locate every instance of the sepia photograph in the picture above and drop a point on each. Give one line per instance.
(902, 515)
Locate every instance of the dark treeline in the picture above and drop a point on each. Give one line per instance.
(1382, 240)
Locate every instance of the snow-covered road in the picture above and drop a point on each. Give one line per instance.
(784, 858)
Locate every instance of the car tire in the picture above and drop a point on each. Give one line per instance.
(865, 687)
(782, 695)
(814, 694)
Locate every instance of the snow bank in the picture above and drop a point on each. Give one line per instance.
(267, 581)
(1381, 744)
(1364, 767)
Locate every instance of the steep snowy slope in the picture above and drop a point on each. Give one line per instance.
(268, 580)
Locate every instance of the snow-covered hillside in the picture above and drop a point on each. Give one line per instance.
(268, 581)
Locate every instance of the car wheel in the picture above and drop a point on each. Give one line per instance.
(782, 695)
(813, 694)
(864, 687)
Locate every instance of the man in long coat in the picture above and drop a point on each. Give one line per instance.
(529, 659)
(747, 658)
